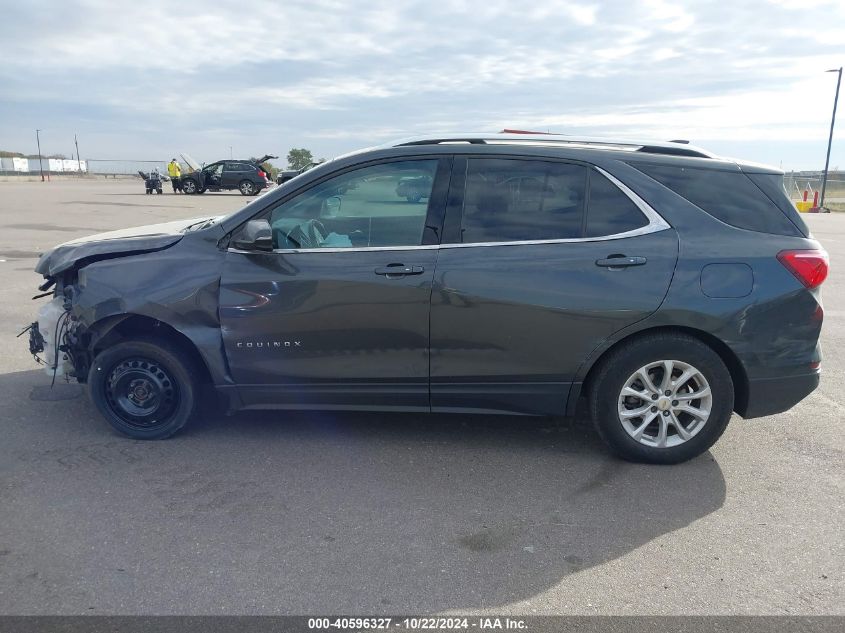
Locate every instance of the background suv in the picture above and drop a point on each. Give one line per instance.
(665, 286)
(246, 176)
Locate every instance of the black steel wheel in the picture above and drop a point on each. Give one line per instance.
(144, 390)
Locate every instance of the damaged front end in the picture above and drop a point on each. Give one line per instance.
(54, 341)
(58, 339)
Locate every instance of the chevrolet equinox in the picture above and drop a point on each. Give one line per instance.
(666, 286)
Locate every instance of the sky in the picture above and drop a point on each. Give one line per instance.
(146, 80)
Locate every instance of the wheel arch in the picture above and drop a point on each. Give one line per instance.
(116, 328)
(731, 360)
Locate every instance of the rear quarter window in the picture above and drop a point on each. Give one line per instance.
(729, 196)
(610, 211)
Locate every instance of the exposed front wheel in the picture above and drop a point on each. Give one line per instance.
(663, 398)
(247, 188)
(143, 390)
(189, 186)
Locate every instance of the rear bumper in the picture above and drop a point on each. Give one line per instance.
(776, 395)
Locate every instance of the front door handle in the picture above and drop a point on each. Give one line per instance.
(398, 270)
(621, 261)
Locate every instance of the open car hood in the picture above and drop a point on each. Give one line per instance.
(141, 239)
(190, 162)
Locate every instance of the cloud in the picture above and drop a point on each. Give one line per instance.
(332, 72)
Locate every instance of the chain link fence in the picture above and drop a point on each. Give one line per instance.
(797, 182)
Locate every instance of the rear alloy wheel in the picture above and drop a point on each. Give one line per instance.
(247, 188)
(662, 398)
(189, 186)
(143, 390)
(665, 403)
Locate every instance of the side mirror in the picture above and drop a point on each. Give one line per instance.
(331, 206)
(256, 235)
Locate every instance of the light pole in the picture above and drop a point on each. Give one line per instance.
(830, 138)
(40, 165)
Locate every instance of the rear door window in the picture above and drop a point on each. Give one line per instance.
(729, 196)
(508, 200)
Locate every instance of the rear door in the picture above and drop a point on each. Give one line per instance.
(338, 314)
(234, 172)
(546, 260)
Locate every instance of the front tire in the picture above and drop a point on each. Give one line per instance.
(144, 391)
(189, 186)
(661, 399)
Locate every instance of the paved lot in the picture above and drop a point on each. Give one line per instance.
(316, 513)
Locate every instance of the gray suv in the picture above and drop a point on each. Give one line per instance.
(665, 286)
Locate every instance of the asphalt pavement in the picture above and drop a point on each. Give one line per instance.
(316, 513)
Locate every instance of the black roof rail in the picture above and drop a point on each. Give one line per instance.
(672, 151)
(671, 148)
(437, 141)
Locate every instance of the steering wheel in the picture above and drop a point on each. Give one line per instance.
(310, 234)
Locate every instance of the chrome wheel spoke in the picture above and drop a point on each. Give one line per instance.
(666, 381)
(679, 427)
(630, 391)
(642, 374)
(693, 395)
(638, 432)
(683, 379)
(701, 414)
(663, 431)
(634, 413)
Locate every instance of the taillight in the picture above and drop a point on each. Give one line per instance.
(809, 267)
(261, 174)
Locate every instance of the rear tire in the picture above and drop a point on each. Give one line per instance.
(144, 391)
(672, 427)
(247, 188)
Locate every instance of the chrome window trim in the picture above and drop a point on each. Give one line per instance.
(655, 224)
(352, 249)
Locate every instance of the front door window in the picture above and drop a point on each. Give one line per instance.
(381, 205)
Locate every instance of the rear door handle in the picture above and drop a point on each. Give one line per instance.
(621, 261)
(398, 270)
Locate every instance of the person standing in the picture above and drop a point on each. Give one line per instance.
(175, 173)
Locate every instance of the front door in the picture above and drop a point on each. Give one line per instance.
(337, 315)
(213, 176)
(547, 260)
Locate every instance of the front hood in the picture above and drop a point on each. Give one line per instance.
(141, 239)
(190, 162)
